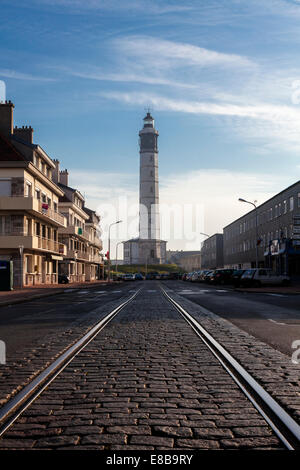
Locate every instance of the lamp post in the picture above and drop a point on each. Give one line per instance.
(76, 266)
(21, 249)
(256, 228)
(114, 223)
(119, 243)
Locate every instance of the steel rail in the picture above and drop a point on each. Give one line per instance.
(284, 426)
(10, 412)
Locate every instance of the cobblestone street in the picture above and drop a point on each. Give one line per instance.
(146, 382)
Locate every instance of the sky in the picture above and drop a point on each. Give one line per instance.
(222, 79)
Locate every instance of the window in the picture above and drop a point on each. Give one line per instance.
(291, 203)
(38, 194)
(298, 198)
(284, 207)
(276, 210)
(271, 214)
(27, 189)
(5, 187)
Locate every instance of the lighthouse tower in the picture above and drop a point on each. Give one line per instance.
(149, 198)
(148, 248)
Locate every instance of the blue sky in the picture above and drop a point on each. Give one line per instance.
(222, 78)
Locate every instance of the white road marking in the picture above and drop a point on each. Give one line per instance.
(116, 291)
(276, 295)
(220, 290)
(284, 324)
(187, 292)
(83, 292)
(151, 290)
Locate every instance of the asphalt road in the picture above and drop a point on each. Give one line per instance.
(23, 324)
(272, 318)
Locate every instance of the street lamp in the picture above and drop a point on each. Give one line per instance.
(114, 223)
(21, 250)
(256, 228)
(207, 236)
(119, 243)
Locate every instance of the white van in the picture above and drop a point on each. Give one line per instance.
(263, 276)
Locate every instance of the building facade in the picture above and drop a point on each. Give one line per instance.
(29, 215)
(45, 229)
(212, 252)
(185, 260)
(147, 248)
(278, 235)
(83, 260)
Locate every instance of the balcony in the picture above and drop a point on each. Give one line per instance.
(96, 259)
(96, 242)
(34, 206)
(77, 254)
(73, 230)
(13, 240)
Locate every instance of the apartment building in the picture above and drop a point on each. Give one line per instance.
(212, 252)
(29, 198)
(83, 261)
(95, 267)
(278, 235)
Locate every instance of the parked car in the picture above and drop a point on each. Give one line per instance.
(195, 276)
(129, 277)
(151, 275)
(189, 276)
(208, 276)
(184, 276)
(262, 276)
(174, 276)
(236, 277)
(63, 279)
(165, 277)
(221, 276)
(139, 277)
(203, 273)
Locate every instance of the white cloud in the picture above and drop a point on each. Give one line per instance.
(102, 75)
(6, 73)
(173, 53)
(275, 124)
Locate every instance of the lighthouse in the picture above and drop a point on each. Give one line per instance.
(147, 248)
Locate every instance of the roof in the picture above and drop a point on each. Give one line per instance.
(148, 116)
(8, 152)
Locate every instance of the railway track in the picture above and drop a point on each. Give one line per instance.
(10, 412)
(282, 424)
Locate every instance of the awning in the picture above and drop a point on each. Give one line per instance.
(54, 257)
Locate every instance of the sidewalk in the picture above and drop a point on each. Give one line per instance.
(293, 289)
(36, 292)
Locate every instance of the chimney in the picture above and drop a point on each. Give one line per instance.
(6, 118)
(64, 177)
(55, 172)
(24, 133)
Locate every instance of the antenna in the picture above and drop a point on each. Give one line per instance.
(148, 109)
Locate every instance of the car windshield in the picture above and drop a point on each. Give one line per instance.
(249, 272)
